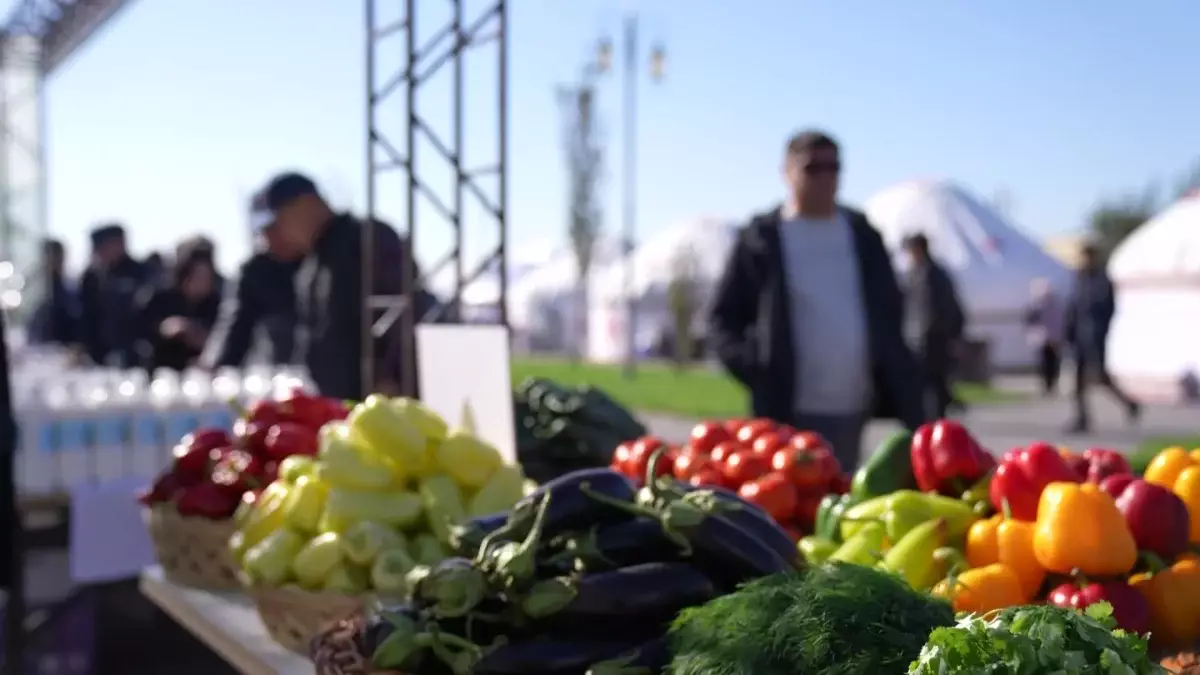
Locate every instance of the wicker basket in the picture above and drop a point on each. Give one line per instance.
(334, 651)
(293, 616)
(192, 551)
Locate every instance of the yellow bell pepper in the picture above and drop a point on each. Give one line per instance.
(505, 488)
(469, 460)
(442, 502)
(1178, 470)
(390, 434)
(344, 508)
(344, 462)
(267, 516)
(1080, 528)
(319, 557)
(1004, 540)
(429, 423)
(269, 562)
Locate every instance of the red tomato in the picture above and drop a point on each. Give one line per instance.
(805, 515)
(639, 459)
(803, 440)
(732, 425)
(709, 476)
(706, 436)
(721, 453)
(689, 463)
(806, 468)
(840, 484)
(648, 444)
(773, 493)
(752, 430)
(768, 443)
(621, 457)
(744, 466)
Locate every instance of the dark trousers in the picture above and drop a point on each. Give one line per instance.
(1089, 371)
(935, 356)
(1049, 367)
(844, 433)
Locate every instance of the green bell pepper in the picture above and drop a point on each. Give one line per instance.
(816, 550)
(829, 516)
(887, 470)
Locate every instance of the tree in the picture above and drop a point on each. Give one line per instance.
(683, 297)
(1115, 219)
(582, 147)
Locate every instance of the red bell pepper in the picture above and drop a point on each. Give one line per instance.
(1022, 475)
(1157, 517)
(1096, 464)
(946, 458)
(1130, 610)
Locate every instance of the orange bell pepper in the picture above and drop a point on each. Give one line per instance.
(1079, 527)
(1000, 539)
(980, 589)
(1174, 597)
(1178, 470)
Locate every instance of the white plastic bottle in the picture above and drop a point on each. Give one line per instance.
(76, 463)
(144, 438)
(38, 413)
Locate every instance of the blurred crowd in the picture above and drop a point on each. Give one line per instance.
(299, 295)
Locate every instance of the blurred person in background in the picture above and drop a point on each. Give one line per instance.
(174, 320)
(1090, 312)
(202, 245)
(108, 293)
(260, 307)
(156, 268)
(56, 319)
(1044, 323)
(807, 314)
(329, 293)
(934, 321)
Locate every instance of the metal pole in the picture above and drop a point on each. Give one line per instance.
(502, 161)
(459, 186)
(367, 341)
(629, 207)
(408, 369)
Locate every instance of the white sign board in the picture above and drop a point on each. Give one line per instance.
(464, 377)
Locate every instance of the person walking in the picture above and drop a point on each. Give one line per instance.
(934, 321)
(807, 313)
(1045, 327)
(1089, 315)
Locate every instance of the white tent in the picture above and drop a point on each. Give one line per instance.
(702, 244)
(1157, 274)
(548, 301)
(992, 262)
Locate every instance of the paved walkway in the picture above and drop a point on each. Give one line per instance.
(1002, 426)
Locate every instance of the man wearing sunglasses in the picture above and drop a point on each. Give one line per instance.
(808, 315)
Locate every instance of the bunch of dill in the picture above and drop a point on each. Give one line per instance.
(836, 619)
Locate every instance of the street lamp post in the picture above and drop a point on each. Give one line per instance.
(629, 140)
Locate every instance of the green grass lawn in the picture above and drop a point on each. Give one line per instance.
(1147, 449)
(694, 393)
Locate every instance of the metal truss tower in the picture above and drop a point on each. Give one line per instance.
(405, 167)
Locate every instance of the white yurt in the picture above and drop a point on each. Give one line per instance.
(1157, 275)
(547, 306)
(701, 244)
(993, 263)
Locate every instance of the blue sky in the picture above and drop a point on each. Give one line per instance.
(182, 107)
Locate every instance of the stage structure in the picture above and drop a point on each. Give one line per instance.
(36, 39)
(393, 88)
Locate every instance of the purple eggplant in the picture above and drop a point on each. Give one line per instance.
(546, 657)
(466, 538)
(652, 656)
(754, 521)
(650, 593)
(632, 542)
(730, 554)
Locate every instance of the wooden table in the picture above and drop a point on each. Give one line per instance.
(227, 622)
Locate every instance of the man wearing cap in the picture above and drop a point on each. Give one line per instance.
(259, 310)
(107, 296)
(329, 293)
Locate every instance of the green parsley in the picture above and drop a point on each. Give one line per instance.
(1036, 640)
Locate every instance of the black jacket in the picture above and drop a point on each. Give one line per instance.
(1090, 312)
(56, 320)
(750, 327)
(330, 299)
(944, 322)
(107, 304)
(261, 303)
(160, 304)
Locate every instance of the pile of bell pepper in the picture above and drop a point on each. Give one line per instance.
(1039, 524)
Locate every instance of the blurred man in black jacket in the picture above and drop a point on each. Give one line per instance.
(934, 320)
(56, 320)
(329, 293)
(107, 297)
(259, 306)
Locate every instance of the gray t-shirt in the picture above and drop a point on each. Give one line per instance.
(829, 332)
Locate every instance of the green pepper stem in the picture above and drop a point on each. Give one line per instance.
(652, 472)
(1153, 561)
(499, 533)
(640, 511)
(1006, 509)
